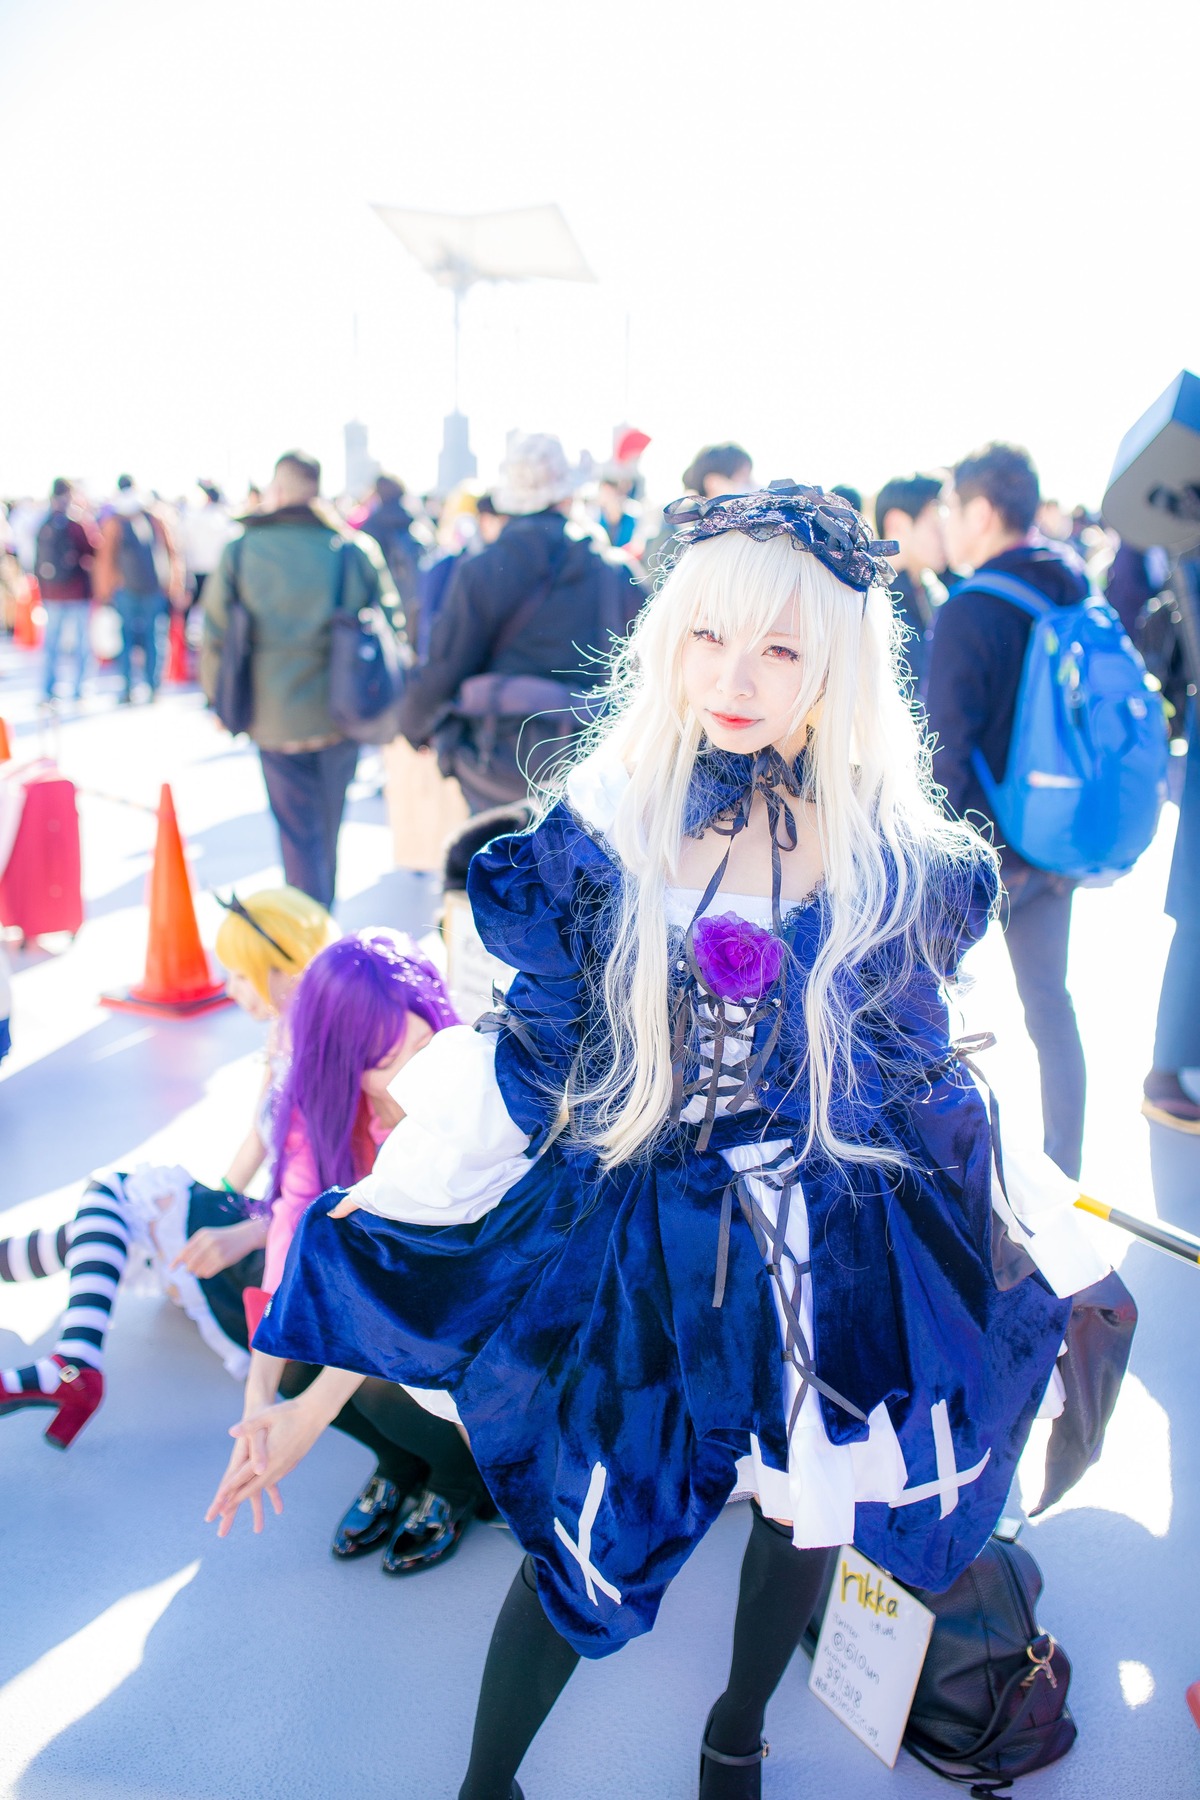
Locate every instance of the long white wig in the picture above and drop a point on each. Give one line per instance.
(889, 854)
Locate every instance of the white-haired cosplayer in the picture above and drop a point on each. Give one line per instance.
(712, 1205)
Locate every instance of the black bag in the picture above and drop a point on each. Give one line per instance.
(140, 557)
(991, 1703)
(233, 695)
(58, 558)
(501, 732)
(366, 667)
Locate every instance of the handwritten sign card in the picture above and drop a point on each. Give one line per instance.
(873, 1642)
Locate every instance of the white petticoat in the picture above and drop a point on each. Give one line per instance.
(824, 1481)
(155, 1203)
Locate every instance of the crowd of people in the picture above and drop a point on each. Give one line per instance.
(586, 1266)
(501, 593)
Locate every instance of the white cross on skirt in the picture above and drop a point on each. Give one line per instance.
(949, 1477)
(582, 1551)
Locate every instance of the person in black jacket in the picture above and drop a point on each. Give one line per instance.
(390, 523)
(524, 626)
(978, 652)
(908, 509)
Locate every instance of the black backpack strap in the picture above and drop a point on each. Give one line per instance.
(983, 1787)
(339, 575)
(516, 622)
(235, 568)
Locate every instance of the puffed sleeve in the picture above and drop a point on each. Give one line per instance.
(456, 1152)
(900, 999)
(479, 1103)
(540, 904)
(962, 906)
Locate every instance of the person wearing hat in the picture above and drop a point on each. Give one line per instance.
(521, 638)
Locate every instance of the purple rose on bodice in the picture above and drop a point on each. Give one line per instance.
(739, 960)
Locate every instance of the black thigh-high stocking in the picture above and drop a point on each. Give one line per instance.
(396, 1462)
(438, 1442)
(779, 1590)
(528, 1666)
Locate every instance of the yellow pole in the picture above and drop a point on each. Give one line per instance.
(1177, 1243)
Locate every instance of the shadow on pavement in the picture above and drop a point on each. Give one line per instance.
(121, 1082)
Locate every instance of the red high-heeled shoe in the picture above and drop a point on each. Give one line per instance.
(76, 1398)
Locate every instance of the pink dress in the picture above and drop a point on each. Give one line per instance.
(299, 1187)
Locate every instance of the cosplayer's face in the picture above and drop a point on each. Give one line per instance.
(243, 991)
(744, 694)
(415, 1036)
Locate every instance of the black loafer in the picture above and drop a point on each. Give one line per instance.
(426, 1533)
(371, 1520)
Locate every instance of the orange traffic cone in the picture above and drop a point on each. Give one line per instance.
(179, 661)
(28, 615)
(178, 980)
(5, 745)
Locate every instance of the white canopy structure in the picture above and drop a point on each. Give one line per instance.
(530, 243)
(527, 243)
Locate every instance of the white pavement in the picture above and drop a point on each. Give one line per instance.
(141, 1658)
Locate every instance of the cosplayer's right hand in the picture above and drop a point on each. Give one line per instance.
(240, 1482)
(217, 1247)
(267, 1446)
(345, 1206)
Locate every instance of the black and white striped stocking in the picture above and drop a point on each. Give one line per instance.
(94, 1248)
(30, 1258)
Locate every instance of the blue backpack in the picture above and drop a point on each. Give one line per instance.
(1087, 765)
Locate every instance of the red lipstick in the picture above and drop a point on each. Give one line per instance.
(732, 722)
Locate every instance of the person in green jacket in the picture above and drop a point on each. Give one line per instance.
(285, 568)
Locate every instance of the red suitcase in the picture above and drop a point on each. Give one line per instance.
(40, 889)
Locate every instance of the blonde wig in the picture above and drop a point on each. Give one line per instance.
(299, 925)
(894, 866)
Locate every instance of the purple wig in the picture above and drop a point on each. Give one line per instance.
(349, 1011)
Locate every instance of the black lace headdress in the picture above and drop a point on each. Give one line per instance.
(823, 524)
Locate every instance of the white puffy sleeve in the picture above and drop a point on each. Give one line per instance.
(456, 1152)
(1039, 1212)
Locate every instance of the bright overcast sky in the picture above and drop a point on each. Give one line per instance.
(860, 237)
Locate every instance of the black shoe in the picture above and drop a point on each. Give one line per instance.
(730, 1777)
(426, 1533)
(370, 1520)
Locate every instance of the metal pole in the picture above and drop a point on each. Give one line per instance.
(457, 328)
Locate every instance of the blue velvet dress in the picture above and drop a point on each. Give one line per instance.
(617, 1342)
